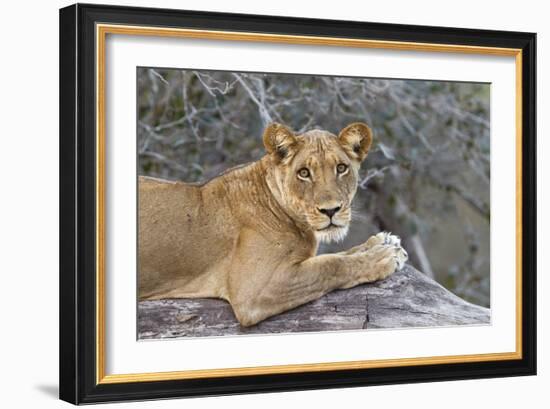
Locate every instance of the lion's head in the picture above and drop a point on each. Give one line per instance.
(314, 175)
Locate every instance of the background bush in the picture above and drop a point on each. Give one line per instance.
(426, 178)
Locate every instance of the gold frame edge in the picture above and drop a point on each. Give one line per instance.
(103, 29)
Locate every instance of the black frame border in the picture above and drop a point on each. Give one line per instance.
(78, 210)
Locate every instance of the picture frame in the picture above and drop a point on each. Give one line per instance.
(83, 219)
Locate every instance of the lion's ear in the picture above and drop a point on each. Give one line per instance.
(279, 140)
(356, 140)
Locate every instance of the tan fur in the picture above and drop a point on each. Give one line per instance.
(250, 236)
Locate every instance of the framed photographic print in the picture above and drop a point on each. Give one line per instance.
(258, 203)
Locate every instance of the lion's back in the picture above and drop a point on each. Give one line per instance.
(181, 235)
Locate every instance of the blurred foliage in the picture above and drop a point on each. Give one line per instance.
(426, 178)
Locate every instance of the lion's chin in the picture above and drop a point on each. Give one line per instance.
(332, 234)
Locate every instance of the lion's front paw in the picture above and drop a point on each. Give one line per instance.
(401, 256)
(379, 239)
(387, 258)
(385, 254)
(379, 260)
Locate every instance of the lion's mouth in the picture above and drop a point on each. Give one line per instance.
(332, 232)
(331, 225)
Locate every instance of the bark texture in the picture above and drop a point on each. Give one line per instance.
(408, 298)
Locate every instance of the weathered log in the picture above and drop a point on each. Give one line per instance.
(406, 299)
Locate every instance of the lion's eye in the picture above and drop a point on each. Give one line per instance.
(303, 173)
(341, 168)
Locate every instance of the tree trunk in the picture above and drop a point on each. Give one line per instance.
(408, 298)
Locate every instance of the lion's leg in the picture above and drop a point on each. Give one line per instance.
(291, 286)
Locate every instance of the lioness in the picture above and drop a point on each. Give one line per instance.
(250, 235)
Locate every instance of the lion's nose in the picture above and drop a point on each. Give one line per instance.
(330, 212)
